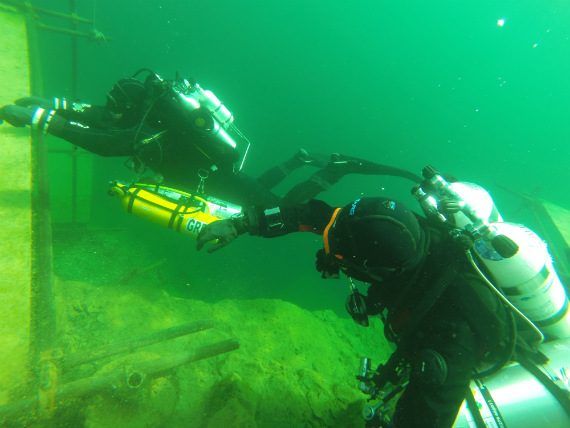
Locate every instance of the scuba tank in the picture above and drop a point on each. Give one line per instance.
(515, 257)
(518, 396)
(191, 96)
(201, 107)
(177, 210)
(534, 391)
(515, 398)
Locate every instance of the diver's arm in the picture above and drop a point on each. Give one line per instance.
(76, 111)
(45, 103)
(103, 142)
(268, 223)
(94, 116)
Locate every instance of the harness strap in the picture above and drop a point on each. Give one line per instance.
(132, 200)
(386, 372)
(474, 409)
(491, 404)
(558, 393)
(326, 232)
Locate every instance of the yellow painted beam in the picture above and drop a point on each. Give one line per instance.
(15, 212)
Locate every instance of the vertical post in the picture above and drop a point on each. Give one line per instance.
(74, 79)
(73, 13)
(42, 293)
(43, 321)
(36, 79)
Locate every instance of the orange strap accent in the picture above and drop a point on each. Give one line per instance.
(326, 232)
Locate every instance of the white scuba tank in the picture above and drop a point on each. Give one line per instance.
(218, 110)
(528, 279)
(195, 97)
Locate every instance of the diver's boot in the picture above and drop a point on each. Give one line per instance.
(302, 157)
(299, 159)
(275, 175)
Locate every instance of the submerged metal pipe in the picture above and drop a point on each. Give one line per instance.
(92, 385)
(42, 298)
(132, 344)
(27, 7)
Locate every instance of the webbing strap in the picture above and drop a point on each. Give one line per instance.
(558, 393)
(174, 215)
(326, 232)
(132, 200)
(385, 372)
(491, 404)
(474, 409)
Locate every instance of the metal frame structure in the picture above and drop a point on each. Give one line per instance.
(47, 364)
(549, 225)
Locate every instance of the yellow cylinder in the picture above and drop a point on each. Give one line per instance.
(188, 217)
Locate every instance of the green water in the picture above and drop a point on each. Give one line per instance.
(405, 83)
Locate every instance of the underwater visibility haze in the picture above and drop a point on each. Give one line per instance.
(479, 89)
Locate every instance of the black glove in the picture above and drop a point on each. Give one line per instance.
(378, 421)
(224, 231)
(16, 115)
(35, 102)
(325, 264)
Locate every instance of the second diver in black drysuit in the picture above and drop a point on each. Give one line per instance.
(151, 123)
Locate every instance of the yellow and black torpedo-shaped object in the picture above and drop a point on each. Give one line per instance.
(172, 208)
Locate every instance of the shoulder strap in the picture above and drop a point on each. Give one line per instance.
(386, 372)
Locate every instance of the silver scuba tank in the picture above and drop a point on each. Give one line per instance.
(193, 96)
(514, 398)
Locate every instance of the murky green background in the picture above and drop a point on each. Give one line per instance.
(406, 83)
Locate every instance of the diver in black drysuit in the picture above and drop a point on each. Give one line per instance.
(446, 322)
(143, 122)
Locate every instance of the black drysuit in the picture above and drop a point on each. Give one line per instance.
(467, 327)
(178, 152)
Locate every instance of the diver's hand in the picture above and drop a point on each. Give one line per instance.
(16, 116)
(35, 102)
(224, 231)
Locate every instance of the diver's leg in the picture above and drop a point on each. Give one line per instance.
(275, 175)
(308, 189)
(351, 165)
(338, 167)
